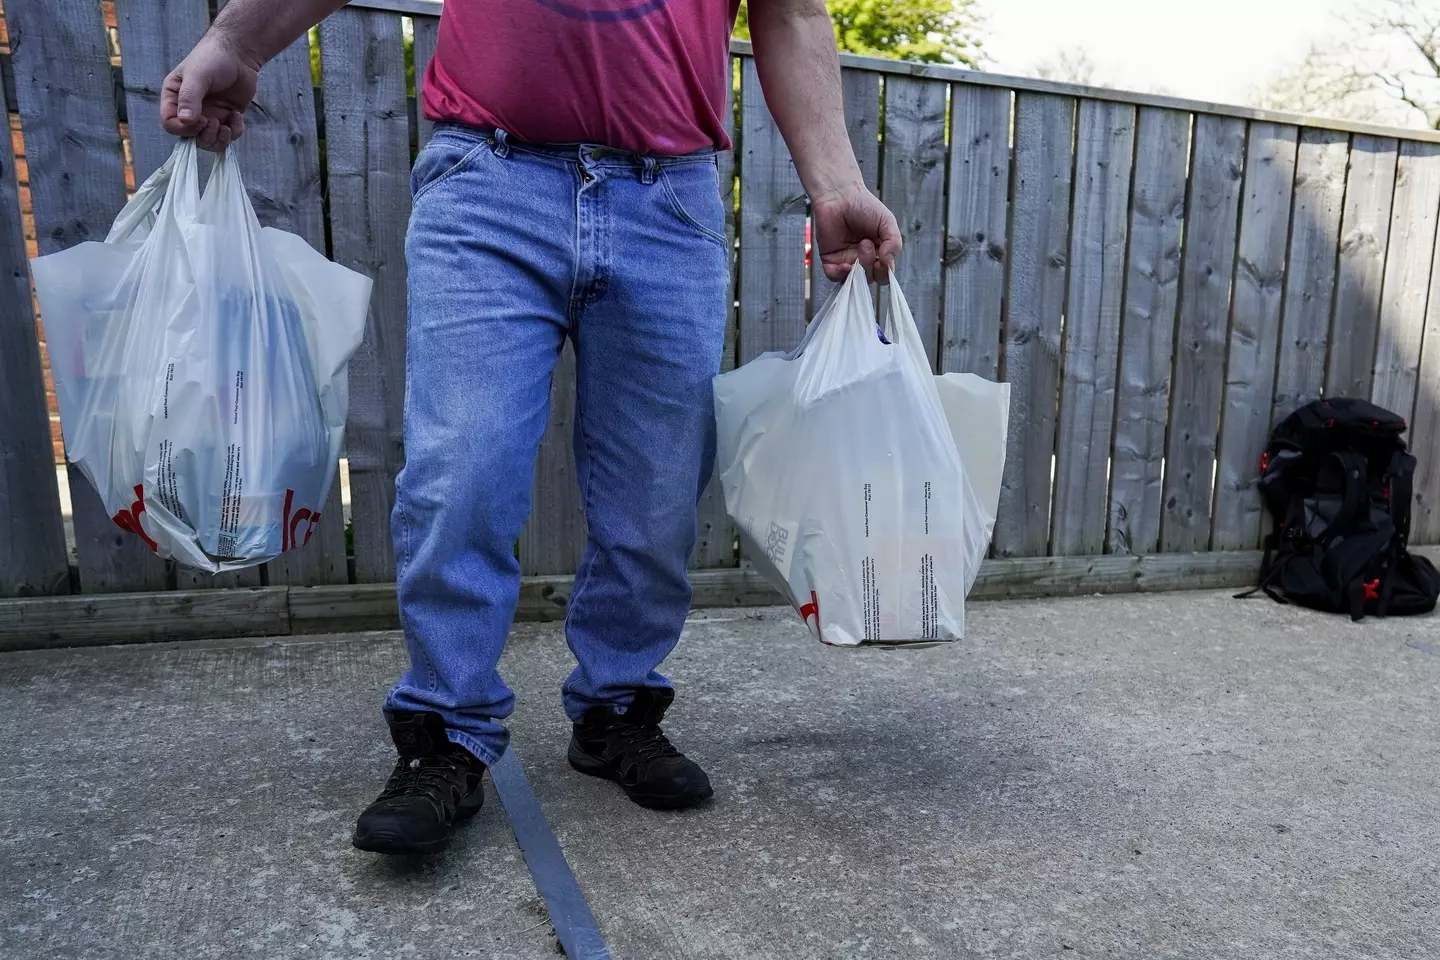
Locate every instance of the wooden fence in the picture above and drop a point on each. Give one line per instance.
(1158, 279)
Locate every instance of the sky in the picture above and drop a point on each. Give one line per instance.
(1215, 50)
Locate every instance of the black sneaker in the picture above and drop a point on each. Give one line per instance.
(435, 785)
(630, 749)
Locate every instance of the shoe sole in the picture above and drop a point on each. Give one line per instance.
(598, 769)
(394, 846)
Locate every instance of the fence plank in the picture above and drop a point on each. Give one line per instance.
(913, 185)
(155, 35)
(1425, 426)
(1038, 249)
(1407, 272)
(32, 537)
(715, 534)
(1142, 391)
(1198, 379)
(772, 230)
(1254, 333)
(1310, 282)
(861, 91)
(77, 186)
(1364, 237)
(280, 157)
(977, 234)
(1104, 149)
(427, 31)
(368, 158)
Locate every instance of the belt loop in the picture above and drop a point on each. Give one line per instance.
(502, 143)
(651, 165)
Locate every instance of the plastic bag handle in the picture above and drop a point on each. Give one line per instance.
(176, 181)
(900, 325)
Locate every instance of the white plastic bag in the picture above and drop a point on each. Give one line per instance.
(200, 368)
(844, 465)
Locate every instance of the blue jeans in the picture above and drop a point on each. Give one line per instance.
(512, 248)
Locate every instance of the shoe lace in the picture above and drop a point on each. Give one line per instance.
(646, 743)
(436, 776)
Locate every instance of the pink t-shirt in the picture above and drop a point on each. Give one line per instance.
(642, 75)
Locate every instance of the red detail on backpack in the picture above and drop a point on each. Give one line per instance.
(1385, 492)
(1372, 590)
(1265, 461)
(130, 519)
(812, 609)
(1332, 420)
(289, 538)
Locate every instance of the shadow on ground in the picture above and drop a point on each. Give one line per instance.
(1177, 776)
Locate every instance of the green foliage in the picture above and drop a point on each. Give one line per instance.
(935, 31)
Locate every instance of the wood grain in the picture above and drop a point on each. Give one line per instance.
(773, 210)
(1152, 282)
(427, 31)
(368, 159)
(977, 241)
(1104, 151)
(1425, 426)
(1254, 333)
(1198, 378)
(33, 560)
(913, 185)
(37, 624)
(1310, 278)
(1039, 247)
(1407, 273)
(1364, 238)
(77, 186)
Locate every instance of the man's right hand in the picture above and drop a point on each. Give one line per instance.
(206, 96)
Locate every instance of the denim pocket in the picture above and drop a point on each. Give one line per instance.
(440, 159)
(693, 188)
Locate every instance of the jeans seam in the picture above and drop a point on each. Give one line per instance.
(685, 214)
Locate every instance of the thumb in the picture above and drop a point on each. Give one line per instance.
(192, 93)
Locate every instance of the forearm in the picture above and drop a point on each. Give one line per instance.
(259, 29)
(799, 69)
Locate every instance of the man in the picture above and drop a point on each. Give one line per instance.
(569, 190)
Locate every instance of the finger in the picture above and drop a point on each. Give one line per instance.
(236, 124)
(867, 258)
(190, 97)
(222, 139)
(209, 130)
(891, 242)
(170, 107)
(837, 264)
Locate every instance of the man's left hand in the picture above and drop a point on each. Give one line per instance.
(852, 224)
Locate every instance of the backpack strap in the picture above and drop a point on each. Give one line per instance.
(1400, 493)
(1356, 497)
(1268, 572)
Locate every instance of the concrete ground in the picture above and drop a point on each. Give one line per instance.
(1162, 776)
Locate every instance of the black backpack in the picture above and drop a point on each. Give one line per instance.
(1338, 483)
